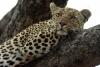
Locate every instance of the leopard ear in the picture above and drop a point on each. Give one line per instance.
(54, 9)
(86, 13)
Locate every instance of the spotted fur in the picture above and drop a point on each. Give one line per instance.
(37, 39)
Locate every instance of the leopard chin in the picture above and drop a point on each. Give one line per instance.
(61, 32)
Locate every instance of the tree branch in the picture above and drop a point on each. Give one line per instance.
(78, 49)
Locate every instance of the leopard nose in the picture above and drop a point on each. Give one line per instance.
(62, 24)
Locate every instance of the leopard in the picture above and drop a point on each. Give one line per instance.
(37, 40)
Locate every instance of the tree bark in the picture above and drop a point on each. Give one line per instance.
(77, 49)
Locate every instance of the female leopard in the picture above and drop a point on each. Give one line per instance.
(36, 40)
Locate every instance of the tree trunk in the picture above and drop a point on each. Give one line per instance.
(78, 49)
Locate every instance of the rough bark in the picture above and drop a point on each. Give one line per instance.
(78, 49)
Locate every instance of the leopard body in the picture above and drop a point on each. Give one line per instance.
(37, 40)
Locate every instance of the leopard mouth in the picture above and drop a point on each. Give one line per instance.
(61, 32)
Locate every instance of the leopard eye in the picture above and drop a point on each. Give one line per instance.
(59, 14)
(73, 17)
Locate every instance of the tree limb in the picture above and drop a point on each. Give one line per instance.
(78, 49)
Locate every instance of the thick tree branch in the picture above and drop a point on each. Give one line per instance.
(21, 16)
(78, 49)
